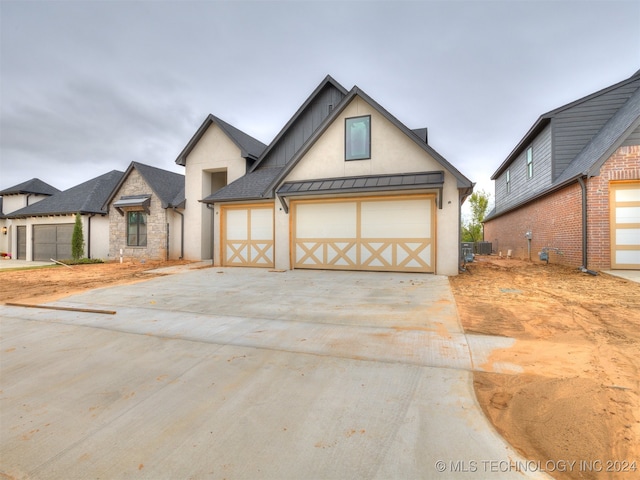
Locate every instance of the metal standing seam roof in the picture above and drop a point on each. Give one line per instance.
(368, 183)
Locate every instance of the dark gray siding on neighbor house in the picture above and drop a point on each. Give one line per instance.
(523, 187)
(633, 139)
(305, 125)
(574, 127)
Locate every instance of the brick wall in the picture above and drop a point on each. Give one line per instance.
(555, 220)
(156, 248)
(623, 165)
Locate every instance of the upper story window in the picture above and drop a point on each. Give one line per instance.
(357, 138)
(508, 177)
(530, 162)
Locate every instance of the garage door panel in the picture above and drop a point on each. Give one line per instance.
(385, 234)
(625, 225)
(321, 220)
(402, 218)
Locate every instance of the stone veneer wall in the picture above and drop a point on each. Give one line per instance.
(156, 248)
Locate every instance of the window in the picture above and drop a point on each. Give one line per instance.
(508, 181)
(357, 138)
(530, 162)
(136, 229)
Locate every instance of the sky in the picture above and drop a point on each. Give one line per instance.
(88, 86)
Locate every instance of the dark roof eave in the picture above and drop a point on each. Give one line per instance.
(212, 201)
(386, 188)
(55, 214)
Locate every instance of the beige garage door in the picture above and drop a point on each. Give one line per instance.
(383, 234)
(247, 236)
(625, 225)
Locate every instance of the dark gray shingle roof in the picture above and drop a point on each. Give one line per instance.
(248, 187)
(169, 186)
(88, 197)
(249, 146)
(605, 141)
(35, 185)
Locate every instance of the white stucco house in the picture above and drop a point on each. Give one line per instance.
(38, 219)
(344, 185)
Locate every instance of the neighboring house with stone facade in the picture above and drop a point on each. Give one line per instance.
(42, 229)
(573, 184)
(344, 185)
(146, 214)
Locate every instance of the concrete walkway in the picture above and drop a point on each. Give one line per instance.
(250, 374)
(4, 264)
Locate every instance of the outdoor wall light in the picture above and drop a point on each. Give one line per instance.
(4, 230)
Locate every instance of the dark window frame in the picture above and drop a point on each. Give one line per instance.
(138, 238)
(351, 143)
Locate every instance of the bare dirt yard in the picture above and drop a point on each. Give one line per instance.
(569, 387)
(567, 390)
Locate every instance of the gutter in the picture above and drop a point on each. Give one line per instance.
(583, 189)
(89, 235)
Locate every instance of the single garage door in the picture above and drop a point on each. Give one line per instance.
(625, 225)
(247, 236)
(383, 234)
(52, 241)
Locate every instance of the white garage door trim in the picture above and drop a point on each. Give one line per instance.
(247, 236)
(365, 233)
(624, 207)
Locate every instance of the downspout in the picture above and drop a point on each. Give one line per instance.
(583, 188)
(181, 232)
(89, 235)
(212, 207)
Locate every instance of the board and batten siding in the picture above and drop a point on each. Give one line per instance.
(523, 187)
(305, 125)
(574, 127)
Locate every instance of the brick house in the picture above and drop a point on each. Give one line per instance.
(145, 211)
(573, 184)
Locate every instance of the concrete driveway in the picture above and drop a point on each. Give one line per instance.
(249, 374)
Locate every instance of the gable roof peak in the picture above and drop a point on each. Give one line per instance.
(249, 146)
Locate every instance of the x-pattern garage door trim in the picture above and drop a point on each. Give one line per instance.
(248, 252)
(403, 254)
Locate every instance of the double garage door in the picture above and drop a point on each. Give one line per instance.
(625, 225)
(381, 234)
